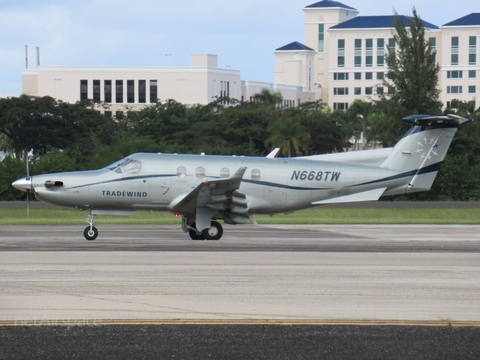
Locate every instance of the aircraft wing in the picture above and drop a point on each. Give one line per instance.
(212, 194)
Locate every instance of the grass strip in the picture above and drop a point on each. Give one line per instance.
(323, 215)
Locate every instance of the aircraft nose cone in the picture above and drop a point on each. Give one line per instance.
(23, 184)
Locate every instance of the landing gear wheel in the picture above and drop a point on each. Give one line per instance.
(90, 234)
(215, 232)
(194, 235)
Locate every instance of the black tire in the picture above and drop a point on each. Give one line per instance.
(194, 235)
(215, 232)
(92, 234)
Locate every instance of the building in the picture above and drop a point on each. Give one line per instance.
(344, 54)
(200, 83)
(342, 60)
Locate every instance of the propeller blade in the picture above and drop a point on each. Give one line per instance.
(28, 190)
(28, 203)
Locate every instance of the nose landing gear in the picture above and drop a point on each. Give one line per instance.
(90, 231)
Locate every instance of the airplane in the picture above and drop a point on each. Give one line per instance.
(206, 188)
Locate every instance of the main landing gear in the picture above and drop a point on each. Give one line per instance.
(214, 232)
(90, 231)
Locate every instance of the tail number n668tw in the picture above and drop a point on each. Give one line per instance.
(315, 175)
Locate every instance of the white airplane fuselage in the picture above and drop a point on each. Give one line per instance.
(271, 185)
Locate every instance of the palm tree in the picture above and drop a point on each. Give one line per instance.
(288, 135)
(268, 97)
(358, 113)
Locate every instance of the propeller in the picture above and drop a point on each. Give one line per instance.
(28, 189)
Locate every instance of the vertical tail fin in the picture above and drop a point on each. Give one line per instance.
(422, 150)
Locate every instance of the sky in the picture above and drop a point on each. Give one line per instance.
(243, 33)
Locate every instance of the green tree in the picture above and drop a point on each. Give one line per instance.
(412, 79)
(289, 135)
(41, 124)
(358, 115)
(268, 97)
(327, 132)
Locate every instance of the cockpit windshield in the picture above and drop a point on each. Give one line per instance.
(126, 166)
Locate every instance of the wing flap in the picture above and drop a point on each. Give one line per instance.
(370, 195)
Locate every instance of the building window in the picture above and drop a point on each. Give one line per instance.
(454, 89)
(357, 91)
(433, 45)
(472, 89)
(455, 74)
(472, 50)
(153, 91)
(107, 88)
(391, 43)
(340, 91)
(358, 76)
(454, 50)
(380, 52)
(96, 90)
(368, 91)
(83, 89)
(472, 74)
(452, 104)
(224, 89)
(341, 53)
(119, 92)
(368, 76)
(321, 37)
(142, 91)
(340, 106)
(358, 53)
(369, 53)
(108, 114)
(130, 91)
(340, 76)
(119, 115)
(379, 75)
(380, 90)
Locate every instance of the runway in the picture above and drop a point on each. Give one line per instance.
(287, 273)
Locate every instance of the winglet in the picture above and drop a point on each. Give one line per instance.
(273, 153)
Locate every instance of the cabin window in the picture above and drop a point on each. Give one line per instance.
(224, 173)
(255, 174)
(200, 172)
(181, 172)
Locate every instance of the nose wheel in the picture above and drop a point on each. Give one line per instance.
(90, 231)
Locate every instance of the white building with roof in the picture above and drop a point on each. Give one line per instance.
(135, 86)
(342, 60)
(344, 54)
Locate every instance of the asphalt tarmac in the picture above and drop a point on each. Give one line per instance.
(283, 292)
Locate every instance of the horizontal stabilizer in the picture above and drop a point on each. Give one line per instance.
(371, 195)
(436, 121)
